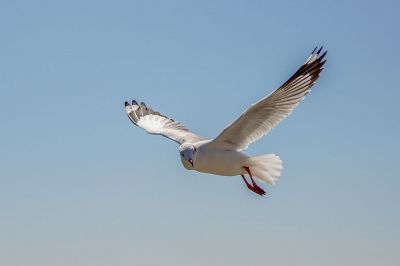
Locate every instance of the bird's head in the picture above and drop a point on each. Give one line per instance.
(187, 152)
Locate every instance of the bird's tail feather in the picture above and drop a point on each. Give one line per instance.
(266, 168)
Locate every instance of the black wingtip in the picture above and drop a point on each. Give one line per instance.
(314, 49)
(134, 102)
(323, 55)
(320, 49)
(126, 104)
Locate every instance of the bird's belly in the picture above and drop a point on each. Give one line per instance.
(226, 163)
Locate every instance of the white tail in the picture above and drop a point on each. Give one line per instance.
(266, 168)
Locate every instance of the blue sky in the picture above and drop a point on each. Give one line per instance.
(80, 185)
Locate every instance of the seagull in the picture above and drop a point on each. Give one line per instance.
(224, 155)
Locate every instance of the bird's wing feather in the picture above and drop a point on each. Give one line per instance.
(265, 114)
(157, 124)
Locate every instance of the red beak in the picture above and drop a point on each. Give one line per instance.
(191, 162)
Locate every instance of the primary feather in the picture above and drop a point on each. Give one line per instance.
(157, 124)
(265, 114)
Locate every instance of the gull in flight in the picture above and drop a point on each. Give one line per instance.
(223, 155)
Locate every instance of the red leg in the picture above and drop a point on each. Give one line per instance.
(247, 183)
(251, 176)
(256, 188)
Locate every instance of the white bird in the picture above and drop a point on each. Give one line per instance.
(223, 154)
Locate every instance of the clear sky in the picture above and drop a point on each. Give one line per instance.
(80, 185)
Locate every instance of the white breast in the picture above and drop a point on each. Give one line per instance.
(219, 162)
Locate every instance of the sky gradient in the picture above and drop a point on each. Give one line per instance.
(81, 185)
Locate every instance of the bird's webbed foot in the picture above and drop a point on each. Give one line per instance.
(255, 188)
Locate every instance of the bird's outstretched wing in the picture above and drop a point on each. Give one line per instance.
(265, 114)
(157, 124)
